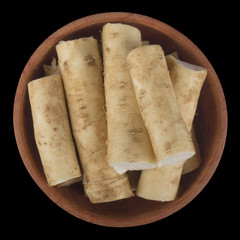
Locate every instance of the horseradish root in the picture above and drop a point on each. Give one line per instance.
(80, 66)
(129, 146)
(52, 131)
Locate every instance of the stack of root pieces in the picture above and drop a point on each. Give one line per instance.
(131, 110)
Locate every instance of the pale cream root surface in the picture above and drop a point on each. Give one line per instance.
(52, 131)
(129, 146)
(160, 184)
(158, 105)
(81, 68)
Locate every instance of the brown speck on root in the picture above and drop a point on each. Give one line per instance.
(121, 84)
(142, 93)
(175, 181)
(135, 130)
(122, 99)
(166, 85)
(122, 102)
(114, 34)
(83, 115)
(108, 50)
(79, 99)
(83, 107)
(106, 196)
(167, 146)
(122, 105)
(91, 60)
(47, 113)
(135, 139)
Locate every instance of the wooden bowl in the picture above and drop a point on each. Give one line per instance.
(210, 124)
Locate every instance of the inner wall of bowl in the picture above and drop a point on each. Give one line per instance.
(125, 210)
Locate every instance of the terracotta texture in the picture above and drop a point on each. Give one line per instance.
(210, 125)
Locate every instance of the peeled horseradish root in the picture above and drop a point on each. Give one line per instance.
(129, 146)
(52, 131)
(81, 69)
(158, 105)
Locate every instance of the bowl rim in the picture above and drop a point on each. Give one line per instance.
(92, 20)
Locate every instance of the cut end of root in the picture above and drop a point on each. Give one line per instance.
(123, 167)
(180, 157)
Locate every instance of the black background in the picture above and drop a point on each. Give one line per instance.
(27, 210)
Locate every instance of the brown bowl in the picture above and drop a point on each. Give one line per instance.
(210, 124)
